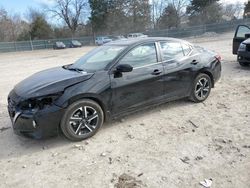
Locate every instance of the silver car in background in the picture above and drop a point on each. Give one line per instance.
(102, 40)
(136, 35)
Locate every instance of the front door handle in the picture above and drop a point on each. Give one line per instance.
(194, 62)
(156, 72)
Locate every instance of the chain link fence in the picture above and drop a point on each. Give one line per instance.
(40, 44)
(222, 27)
(183, 32)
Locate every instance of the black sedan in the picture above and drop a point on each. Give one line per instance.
(59, 45)
(75, 44)
(112, 80)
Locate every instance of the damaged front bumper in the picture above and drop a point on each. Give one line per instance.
(243, 56)
(35, 123)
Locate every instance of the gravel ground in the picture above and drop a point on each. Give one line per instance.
(177, 144)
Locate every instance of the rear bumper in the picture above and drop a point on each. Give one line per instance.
(216, 71)
(243, 57)
(37, 124)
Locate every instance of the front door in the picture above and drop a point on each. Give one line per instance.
(240, 36)
(141, 86)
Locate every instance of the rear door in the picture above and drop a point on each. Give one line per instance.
(178, 67)
(239, 37)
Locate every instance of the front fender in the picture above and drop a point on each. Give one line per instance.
(97, 88)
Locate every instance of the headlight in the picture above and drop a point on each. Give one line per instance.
(39, 103)
(242, 47)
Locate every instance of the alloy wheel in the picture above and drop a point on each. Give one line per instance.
(84, 120)
(202, 88)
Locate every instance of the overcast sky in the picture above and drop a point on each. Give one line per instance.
(21, 6)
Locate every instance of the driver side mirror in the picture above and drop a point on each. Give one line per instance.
(124, 68)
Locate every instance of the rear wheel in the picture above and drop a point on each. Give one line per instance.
(244, 64)
(82, 120)
(201, 88)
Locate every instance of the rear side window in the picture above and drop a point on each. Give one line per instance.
(141, 56)
(186, 49)
(171, 50)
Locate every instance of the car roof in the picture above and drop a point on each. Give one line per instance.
(134, 41)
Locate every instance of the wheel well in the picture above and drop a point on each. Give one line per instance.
(99, 102)
(210, 75)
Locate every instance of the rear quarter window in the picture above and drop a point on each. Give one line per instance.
(186, 49)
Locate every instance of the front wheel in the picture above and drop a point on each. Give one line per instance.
(201, 88)
(82, 120)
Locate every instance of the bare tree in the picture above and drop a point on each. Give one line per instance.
(159, 7)
(179, 6)
(232, 10)
(11, 25)
(16, 26)
(70, 11)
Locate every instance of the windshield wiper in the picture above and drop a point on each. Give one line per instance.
(73, 69)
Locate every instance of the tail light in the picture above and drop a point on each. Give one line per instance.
(218, 57)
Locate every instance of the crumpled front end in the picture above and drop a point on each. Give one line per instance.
(36, 118)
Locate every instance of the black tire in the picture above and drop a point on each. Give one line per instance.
(75, 126)
(244, 64)
(201, 88)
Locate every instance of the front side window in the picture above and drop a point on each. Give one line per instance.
(242, 31)
(171, 50)
(98, 58)
(141, 56)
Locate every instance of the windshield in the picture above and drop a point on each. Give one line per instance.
(75, 42)
(59, 43)
(98, 58)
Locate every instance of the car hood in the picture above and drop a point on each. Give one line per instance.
(247, 41)
(49, 81)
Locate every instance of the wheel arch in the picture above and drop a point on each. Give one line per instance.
(209, 73)
(94, 98)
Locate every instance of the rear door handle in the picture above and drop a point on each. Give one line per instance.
(194, 62)
(156, 72)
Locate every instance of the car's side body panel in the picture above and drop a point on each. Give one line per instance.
(136, 88)
(178, 77)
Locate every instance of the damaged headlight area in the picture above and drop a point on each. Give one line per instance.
(39, 103)
(242, 47)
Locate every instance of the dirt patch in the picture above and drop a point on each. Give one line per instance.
(4, 129)
(177, 144)
(127, 181)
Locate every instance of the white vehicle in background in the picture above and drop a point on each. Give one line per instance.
(136, 35)
(102, 40)
(118, 37)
